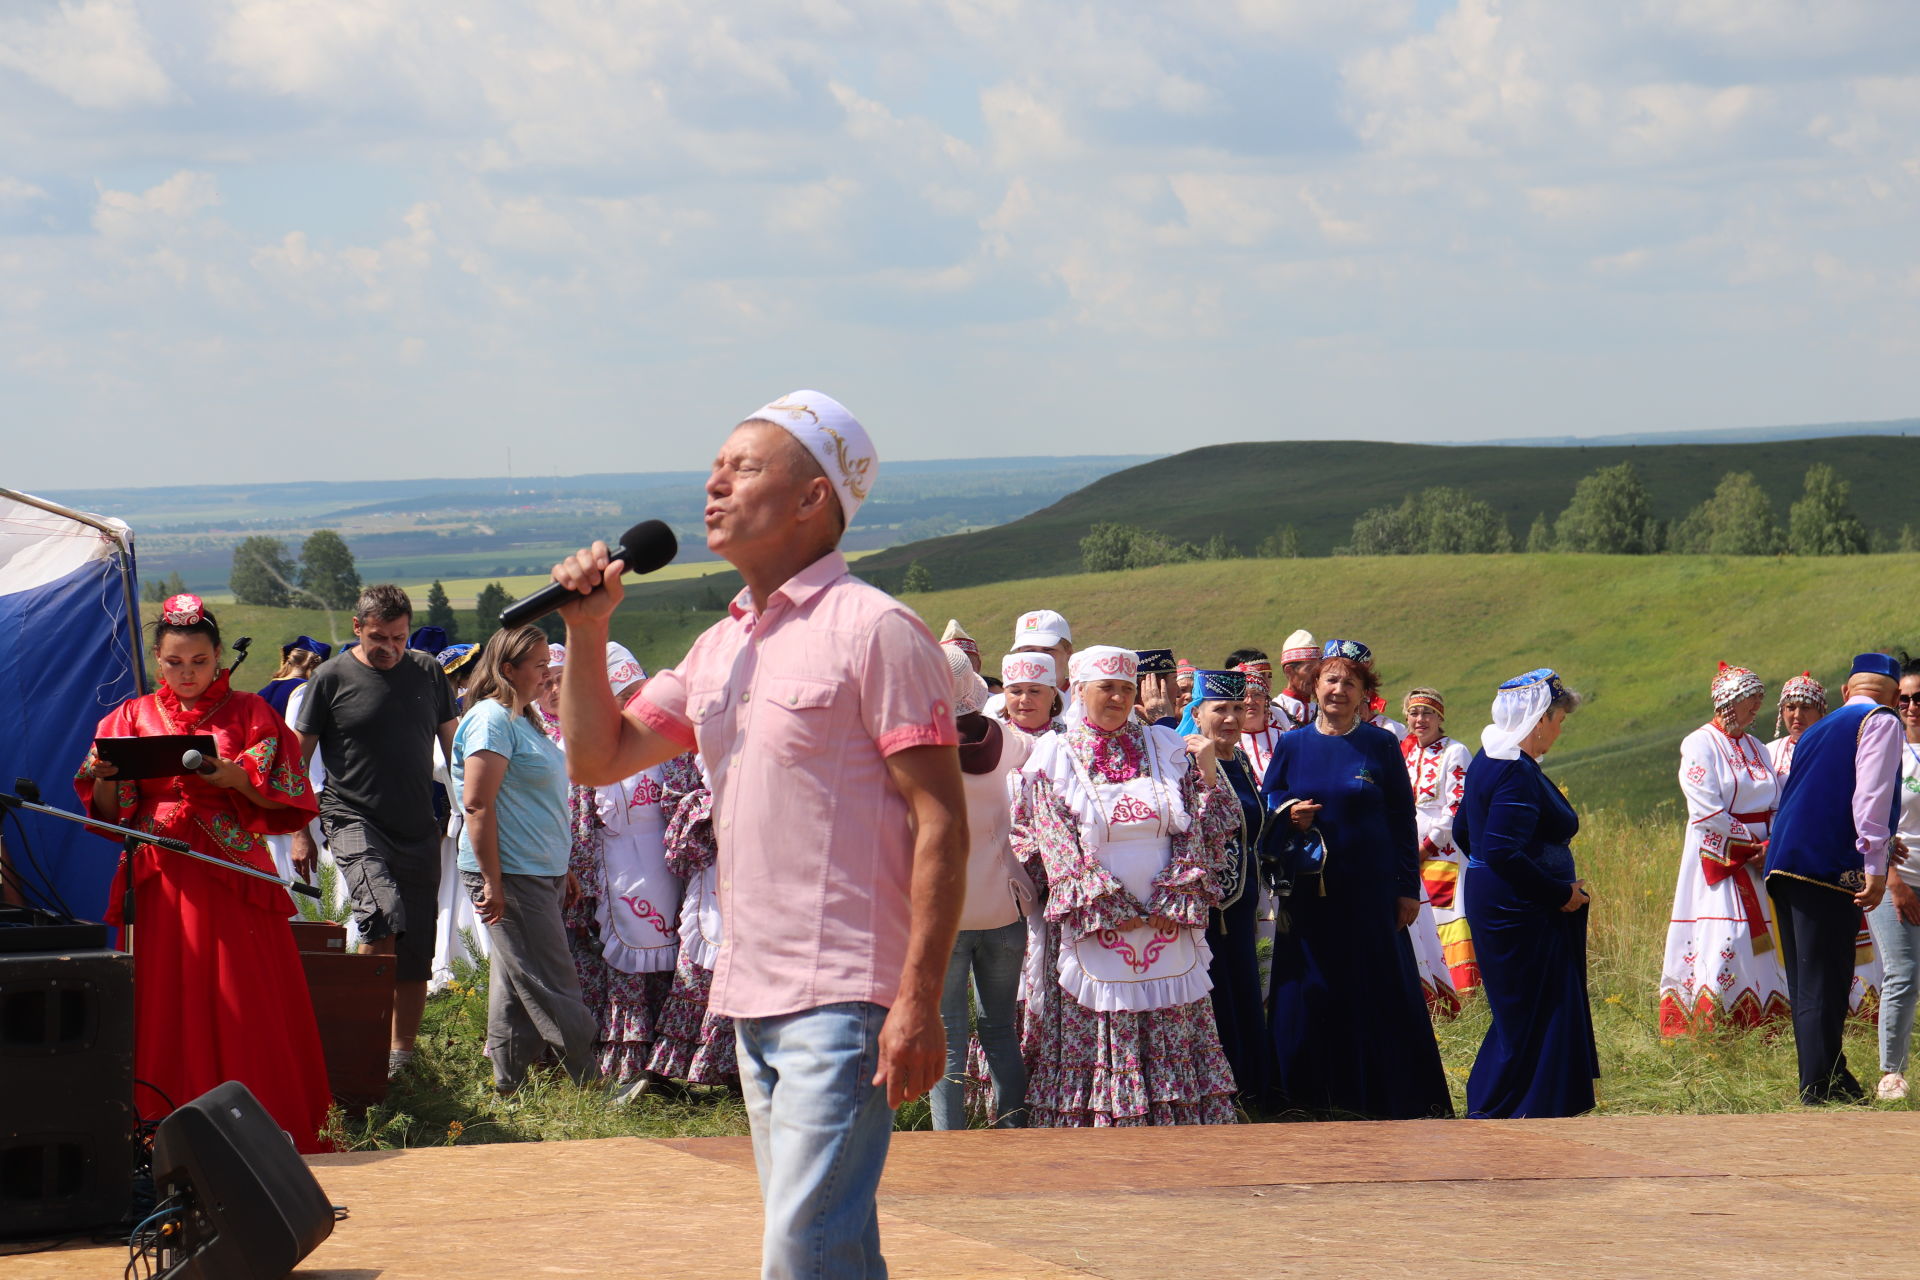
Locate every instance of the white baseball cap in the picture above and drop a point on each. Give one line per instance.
(1042, 627)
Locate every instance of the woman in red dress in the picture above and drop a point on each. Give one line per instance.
(218, 989)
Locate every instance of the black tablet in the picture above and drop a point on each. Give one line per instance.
(154, 757)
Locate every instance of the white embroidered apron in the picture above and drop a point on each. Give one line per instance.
(638, 906)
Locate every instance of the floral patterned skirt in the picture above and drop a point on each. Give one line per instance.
(1100, 1070)
(690, 1043)
(626, 1007)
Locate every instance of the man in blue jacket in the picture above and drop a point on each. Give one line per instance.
(1827, 862)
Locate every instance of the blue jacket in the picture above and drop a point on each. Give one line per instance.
(1813, 836)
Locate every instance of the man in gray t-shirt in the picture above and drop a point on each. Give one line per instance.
(374, 712)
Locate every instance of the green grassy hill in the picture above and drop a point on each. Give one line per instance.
(1246, 491)
(1640, 635)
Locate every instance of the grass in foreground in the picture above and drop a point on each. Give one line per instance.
(447, 1099)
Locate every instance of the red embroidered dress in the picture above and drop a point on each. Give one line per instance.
(219, 993)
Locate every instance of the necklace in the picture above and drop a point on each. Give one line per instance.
(1320, 724)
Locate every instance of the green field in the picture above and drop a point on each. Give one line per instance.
(1629, 864)
(1641, 635)
(1246, 491)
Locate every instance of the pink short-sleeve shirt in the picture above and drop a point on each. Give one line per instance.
(794, 712)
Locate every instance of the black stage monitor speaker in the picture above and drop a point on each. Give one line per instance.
(67, 1144)
(254, 1209)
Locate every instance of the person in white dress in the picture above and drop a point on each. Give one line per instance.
(1123, 824)
(1803, 700)
(1437, 767)
(1721, 967)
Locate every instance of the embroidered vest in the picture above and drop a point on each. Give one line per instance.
(1813, 836)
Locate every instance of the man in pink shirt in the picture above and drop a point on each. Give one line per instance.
(821, 708)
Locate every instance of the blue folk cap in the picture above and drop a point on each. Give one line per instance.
(1219, 686)
(1876, 664)
(1156, 662)
(307, 644)
(1346, 649)
(456, 656)
(428, 639)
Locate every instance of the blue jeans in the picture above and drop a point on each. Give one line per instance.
(820, 1133)
(992, 957)
(1899, 946)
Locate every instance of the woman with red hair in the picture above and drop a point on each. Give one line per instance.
(1351, 1034)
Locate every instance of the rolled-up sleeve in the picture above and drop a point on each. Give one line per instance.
(661, 705)
(906, 690)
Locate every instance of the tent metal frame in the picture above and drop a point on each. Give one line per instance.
(126, 562)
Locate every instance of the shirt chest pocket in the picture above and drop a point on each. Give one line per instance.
(706, 705)
(798, 717)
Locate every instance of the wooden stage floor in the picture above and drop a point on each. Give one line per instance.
(1804, 1195)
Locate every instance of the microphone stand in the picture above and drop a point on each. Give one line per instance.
(131, 840)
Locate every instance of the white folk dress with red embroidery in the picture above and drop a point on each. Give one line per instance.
(1129, 828)
(1442, 941)
(1722, 967)
(1868, 973)
(638, 904)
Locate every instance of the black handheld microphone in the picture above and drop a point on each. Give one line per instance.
(648, 546)
(193, 762)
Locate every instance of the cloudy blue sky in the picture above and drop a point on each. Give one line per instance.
(254, 239)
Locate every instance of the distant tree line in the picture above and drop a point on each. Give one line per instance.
(1612, 514)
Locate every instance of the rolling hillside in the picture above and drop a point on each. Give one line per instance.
(1640, 635)
(1246, 491)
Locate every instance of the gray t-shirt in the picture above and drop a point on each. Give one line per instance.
(376, 730)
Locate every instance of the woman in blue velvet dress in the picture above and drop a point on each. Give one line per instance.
(1351, 1035)
(1528, 913)
(1218, 711)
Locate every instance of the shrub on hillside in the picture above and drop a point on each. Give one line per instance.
(1610, 515)
(1822, 523)
(1437, 521)
(1736, 521)
(1109, 547)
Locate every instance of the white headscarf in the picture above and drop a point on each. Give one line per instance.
(1517, 707)
(969, 690)
(622, 670)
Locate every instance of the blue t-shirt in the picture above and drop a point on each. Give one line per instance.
(531, 808)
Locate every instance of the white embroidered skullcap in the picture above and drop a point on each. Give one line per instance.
(1106, 662)
(1300, 647)
(969, 690)
(833, 436)
(1518, 706)
(1029, 668)
(622, 669)
(556, 656)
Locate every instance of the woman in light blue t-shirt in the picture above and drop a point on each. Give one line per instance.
(510, 781)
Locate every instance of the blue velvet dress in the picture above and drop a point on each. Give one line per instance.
(1538, 1058)
(1238, 1008)
(1351, 1034)
(277, 692)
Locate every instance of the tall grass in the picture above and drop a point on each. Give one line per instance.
(1630, 863)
